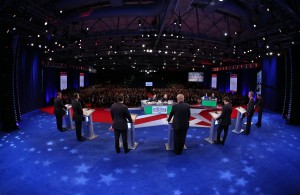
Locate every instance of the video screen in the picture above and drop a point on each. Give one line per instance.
(149, 84)
(195, 77)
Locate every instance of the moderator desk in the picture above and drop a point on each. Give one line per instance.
(158, 108)
(213, 130)
(87, 124)
(209, 102)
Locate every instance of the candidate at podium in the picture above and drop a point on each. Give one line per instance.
(120, 114)
(59, 111)
(181, 112)
(259, 106)
(77, 117)
(249, 113)
(224, 121)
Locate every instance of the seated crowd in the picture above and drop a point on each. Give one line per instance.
(105, 95)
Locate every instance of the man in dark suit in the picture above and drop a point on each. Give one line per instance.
(181, 112)
(153, 98)
(120, 114)
(249, 113)
(259, 106)
(77, 116)
(59, 111)
(225, 121)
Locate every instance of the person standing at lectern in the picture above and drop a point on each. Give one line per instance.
(259, 106)
(77, 117)
(120, 114)
(59, 111)
(181, 112)
(224, 121)
(249, 113)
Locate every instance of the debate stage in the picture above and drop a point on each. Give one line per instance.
(200, 116)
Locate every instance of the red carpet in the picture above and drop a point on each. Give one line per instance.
(103, 115)
(100, 114)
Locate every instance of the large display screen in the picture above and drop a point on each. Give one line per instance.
(81, 79)
(63, 80)
(149, 84)
(233, 82)
(258, 82)
(195, 76)
(214, 81)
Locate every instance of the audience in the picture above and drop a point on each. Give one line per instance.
(105, 95)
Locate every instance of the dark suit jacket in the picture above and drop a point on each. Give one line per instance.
(250, 107)
(59, 107)
(78, 112)
(225, 115)
(120, 114)
(181, 112)
(152, 99)
(260, 105)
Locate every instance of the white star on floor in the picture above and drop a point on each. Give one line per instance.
(241, 182)
(270, 150)
(225, 160)
(133, 171)
(227, 175)
(81, 180)
(47, 163)
(231, 190)
(64, 178)
(171, 174)
(177, 192)
(249, 170)
(73, 151)
(118, 171)
(107, 179)
(82, 168)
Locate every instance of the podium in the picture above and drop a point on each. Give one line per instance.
(87, 124)
(170, 144)
(68, 117)
(238, 125)
(130, 134)
(213, 130)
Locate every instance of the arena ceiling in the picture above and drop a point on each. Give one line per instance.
(153, 34)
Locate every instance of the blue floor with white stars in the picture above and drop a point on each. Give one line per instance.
(37, 159)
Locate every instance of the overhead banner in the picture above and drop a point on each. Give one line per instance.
(258, 83)
(233, 82)
(214, 81)
(63, 80)
(81, 79)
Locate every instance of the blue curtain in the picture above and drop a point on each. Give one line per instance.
(246, 81)
(269, 82)
(51, 79)
(31, 96)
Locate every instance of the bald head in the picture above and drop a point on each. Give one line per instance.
(180, 98)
